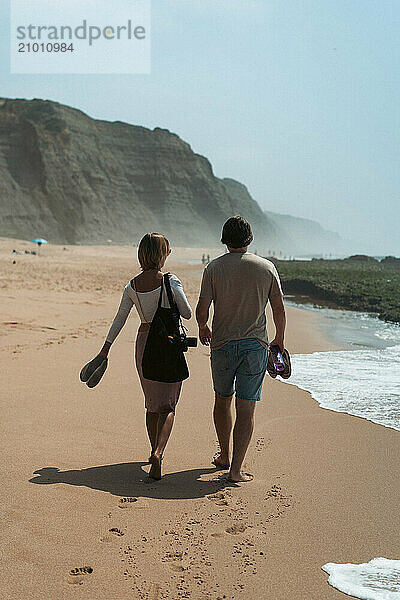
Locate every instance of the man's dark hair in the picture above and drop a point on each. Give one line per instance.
(236, 232)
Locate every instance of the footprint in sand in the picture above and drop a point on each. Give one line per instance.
(126, 502)
(236, 529)
(81, 571)
(278, 502)
(174, 560)
(220, 498)
(217, 534)
(115, 532)
(76, 576)
(274, 492)
(178, 568)
(173, 556)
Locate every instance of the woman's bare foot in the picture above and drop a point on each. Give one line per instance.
(221, 462)
(239, 477)
(155, 471)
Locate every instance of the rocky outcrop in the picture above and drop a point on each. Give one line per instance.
(73, 179)
(391, 261)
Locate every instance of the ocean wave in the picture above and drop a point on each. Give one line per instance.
(364, 383)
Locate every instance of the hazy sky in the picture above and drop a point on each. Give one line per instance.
(297, 99)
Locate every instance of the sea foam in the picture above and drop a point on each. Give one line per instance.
(379, 579)
(364, 382)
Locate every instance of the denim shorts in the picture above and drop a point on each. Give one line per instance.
(239, 366)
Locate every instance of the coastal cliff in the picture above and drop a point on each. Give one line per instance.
(74, 179)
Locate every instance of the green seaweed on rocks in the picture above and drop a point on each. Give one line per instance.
(358, 283)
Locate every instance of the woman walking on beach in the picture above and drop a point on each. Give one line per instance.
(143, 291)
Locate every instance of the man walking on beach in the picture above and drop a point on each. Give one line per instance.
(240, 285)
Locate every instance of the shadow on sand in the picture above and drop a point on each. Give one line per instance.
(129, 479)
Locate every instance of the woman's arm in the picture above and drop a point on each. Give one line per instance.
(180, 298)
(118, 323)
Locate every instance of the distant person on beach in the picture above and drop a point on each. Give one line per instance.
(143, 291)
(240, 285)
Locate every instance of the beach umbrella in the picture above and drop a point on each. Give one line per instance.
(39, 242)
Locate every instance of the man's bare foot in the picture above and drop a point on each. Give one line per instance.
(221, 462)
(239, 477)
(155, 471)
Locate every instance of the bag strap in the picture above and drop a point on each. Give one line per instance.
(171, 300)
(174, 305)
(161, 293)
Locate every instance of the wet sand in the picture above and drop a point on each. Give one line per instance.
(326, 485)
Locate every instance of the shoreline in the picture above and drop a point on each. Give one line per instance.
(326, 485)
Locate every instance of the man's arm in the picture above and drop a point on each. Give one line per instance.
(279, 316)
(202, 314)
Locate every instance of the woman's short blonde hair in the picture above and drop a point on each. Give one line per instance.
(153, 248)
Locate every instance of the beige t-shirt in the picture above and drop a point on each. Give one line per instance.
(240, 286)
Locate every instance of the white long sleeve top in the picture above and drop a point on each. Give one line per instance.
(146, 304)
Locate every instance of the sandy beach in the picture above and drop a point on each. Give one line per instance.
(74, 486)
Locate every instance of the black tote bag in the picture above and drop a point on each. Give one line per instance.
(163, 358)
